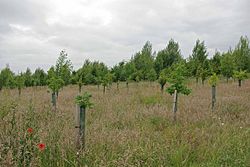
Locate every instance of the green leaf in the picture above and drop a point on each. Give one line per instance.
(84, 100)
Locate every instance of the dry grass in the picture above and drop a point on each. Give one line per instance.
(132, 128)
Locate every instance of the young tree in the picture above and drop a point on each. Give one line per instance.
(118, 73)
(227, 65)
(7, 78)
(241, 54)
(177, 79)
(144, 60)
(215, 63)
(63, 67)
(107, 81)
(168, 56)
(80, 83)
(28, 79)
(19, 83)
(213, 82)
(198, 58)
(204, 71)
(83, 102)
(129, 70)
(98, 81)
(151, 75)
(39, 77)
(162, 80)
(240, 75)
(55, 84)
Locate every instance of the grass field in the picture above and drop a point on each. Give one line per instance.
(128, 128)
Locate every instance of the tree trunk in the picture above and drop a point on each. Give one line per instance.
(117, 85)
(239, 82)
(104, 89)
(162, 88)
(127, 85)
(227, 79)
(197, 80)
(175, 104)
(19, 92)
(202, 81)
(213, 97)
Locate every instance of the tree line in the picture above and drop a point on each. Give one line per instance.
(144, 65)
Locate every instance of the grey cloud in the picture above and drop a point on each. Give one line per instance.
(32, 33)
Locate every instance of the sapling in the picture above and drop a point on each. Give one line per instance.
(55, 84)
(162, 81)
(137, 80)
(213, 82)
(177, 80)
(20, 83)
(80, 83)
(107, 81)
(104, 84)
(83, 102)
(240, 75)
(98, 81)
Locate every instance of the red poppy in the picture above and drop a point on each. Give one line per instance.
(41, 146)
(30, 130)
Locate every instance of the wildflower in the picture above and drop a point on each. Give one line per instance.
(30, 130)
(222, 123)
(41, 146)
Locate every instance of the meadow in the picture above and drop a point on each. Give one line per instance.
(127, 127)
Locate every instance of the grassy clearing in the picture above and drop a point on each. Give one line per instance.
(128, 128)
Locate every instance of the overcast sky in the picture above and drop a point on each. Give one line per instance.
(33, 32)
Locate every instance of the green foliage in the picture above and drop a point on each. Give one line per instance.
(63, 67)
(168, 56)
(144, 60)
(55, 84)
(204, 71)
(151, 75)
(98, 80)
(240, 75)
(39, 77)
(92, 72)
(107, 80)
(241, 54)
(177, 80)
(227, 65)
(213, 80)
(84, 100)
(215, 63)
(28, 80)
(198, 61)
(162, 79)
(119, 72)
(143, 65)
(20, 81)
(7, 78)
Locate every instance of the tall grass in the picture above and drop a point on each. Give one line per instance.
(127, 128)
